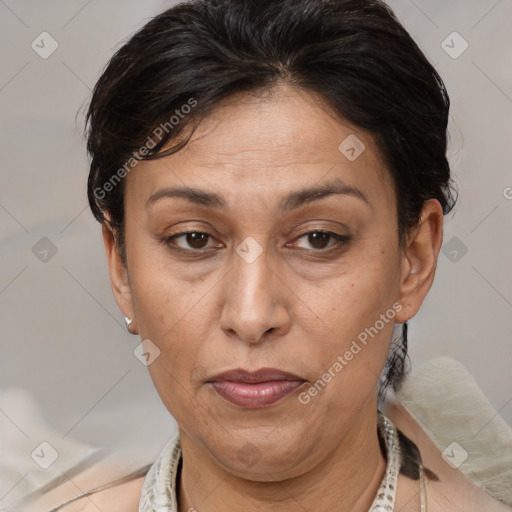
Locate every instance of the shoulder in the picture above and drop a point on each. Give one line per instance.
(458, 499)
(124, 497)
(454, 492)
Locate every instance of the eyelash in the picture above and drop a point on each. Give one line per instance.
(341, 241)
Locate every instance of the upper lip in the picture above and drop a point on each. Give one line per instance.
(260, 375)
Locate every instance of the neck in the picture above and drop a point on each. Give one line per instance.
(346, 481)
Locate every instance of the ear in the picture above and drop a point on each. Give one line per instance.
(118, 277)
(419, 260)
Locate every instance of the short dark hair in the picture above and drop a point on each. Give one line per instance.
(354, 54)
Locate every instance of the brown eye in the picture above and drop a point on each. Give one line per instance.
(197, 240)
(321, 240)
(189, 241)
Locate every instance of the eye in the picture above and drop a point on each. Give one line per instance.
(190, 240)
(320, 240)
(197, 241)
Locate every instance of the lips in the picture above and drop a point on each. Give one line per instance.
(261, 375)
(260, 388)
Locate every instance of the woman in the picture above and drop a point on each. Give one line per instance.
(271, 181)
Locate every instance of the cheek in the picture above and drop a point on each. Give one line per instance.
(171, 313)
(163, 303)
(358, 310)
(176, 323)
(368, 287)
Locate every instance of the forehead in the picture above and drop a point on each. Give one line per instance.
(269, 143)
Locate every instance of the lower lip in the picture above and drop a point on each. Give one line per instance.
(260, 394)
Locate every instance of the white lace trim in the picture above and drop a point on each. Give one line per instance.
(159, 489)
(385, 499)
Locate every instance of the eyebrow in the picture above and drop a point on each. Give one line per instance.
(292, 201)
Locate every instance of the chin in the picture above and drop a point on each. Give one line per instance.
(262, 460)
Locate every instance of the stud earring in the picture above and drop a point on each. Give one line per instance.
(128, 322)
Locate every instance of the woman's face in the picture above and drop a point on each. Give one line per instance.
(259, 286)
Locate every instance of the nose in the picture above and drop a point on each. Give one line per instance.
(255, 302)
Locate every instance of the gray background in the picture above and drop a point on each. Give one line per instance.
(62, 336)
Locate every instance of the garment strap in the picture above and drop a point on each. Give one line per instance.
(423, 490)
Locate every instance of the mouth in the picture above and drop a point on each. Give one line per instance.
(260, 388)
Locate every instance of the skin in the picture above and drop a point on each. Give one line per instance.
(454, 492)
(297, 307)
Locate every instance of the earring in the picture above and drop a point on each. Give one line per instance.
(128, 322)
